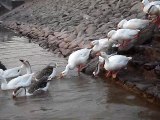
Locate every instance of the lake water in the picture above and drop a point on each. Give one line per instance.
(72, 98)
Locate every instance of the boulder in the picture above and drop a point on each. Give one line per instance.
(51, 38)
(46, 31)
(65, 52)
(62, 44)
(80, 27)
(137, 8)
(71, 37)
(91, 29)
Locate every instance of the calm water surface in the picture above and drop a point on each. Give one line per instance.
(71, 98)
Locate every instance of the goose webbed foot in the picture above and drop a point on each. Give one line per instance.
(108, 74)
(114, 74)
(125, 43)
(80, 68)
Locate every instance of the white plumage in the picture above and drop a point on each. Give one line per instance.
(10, 73)
(146, 2)
(101, 44)
(24, 80)
(76, 59)
(151, 8)
(115, 62)
(39, 86)
(122, 35)
(133, 24)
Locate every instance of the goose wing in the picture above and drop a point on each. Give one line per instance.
(41, 83)
(13, 72)
(24, 80)
(136, 24)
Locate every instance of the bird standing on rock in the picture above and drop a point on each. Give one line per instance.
(152, 9)
(124, 37)
(133, 24)
(114, 63)
(101, 62)
(77, 59)
(101, 44)
(147, 3)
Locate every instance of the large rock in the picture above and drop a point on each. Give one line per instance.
(80, 27)
(46, 31)
(137, 8)
(65, 52)
(91, 29)
(71, 37)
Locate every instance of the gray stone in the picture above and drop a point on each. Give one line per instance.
(136, 8)
(61, 45)
(80, 27)
(71, 37)
(65, 52)
(91, 29)
(51, 38)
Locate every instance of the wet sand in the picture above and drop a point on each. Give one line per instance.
(72, 98)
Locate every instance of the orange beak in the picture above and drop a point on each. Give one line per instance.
(91, 45)
(98, 54)
(60, 76)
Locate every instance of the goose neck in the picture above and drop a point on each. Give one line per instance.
(3, 83)
(66, 70)
(53, 74)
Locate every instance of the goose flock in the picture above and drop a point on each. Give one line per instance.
(124, 37)
(28, 84)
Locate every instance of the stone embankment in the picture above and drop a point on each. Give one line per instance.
(66, 25)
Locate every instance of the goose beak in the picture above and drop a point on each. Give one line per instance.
(60, 76)
(56, 65)
(98, 54)
(91, 45)
(94, 74)
(21, 60)
(13, 95)
(49, 79)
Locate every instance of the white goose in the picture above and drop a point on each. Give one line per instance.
(10, 73)
(123, 36)
(101, 44)
(147, 6)
(39, 86)
(101, 62)
(145, 2)
(114, 63)
(152, 9)
(77, 59)
(133, 24)
(24, 80)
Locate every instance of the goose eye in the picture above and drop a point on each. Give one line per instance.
(18, 70)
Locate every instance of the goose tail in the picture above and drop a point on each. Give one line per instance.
(130, 58)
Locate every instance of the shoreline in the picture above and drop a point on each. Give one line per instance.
(85, 28)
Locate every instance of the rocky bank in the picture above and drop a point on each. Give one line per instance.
(67, 25)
